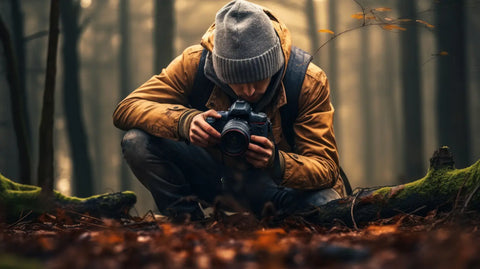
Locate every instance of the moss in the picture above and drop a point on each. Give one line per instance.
(444, 182)
(18, 199)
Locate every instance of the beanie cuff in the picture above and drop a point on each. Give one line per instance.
(236, 71)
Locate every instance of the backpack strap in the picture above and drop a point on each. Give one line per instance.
(202, 86)
(293, 81)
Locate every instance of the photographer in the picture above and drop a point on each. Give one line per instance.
(243, 60)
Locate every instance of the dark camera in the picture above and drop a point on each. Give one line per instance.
(237, 124)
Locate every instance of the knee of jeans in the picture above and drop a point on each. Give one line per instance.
(135, 145)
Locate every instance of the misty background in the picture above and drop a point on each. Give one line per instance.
(398, 95)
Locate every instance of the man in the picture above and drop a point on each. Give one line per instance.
(175, 153)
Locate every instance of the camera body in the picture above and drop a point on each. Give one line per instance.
(237, 125)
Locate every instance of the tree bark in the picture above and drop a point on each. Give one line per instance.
(17, 100)
(164, 17)
(82, 169)
(46, 154)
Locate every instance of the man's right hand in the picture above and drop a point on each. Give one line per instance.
(201, 132)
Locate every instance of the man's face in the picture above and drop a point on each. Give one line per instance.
(251, 92)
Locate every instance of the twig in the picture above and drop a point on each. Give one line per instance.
(93, 224)
(19, 220)
(351, 209)
(459, 192)
(470, 197)
(35, 35)
(83, 215)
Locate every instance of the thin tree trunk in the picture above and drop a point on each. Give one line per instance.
(312, 27)
(452, 105)
(366, 103)
(125, 89)
(46, 153)
(82, 169)
(163, 33)
(412, 95)
(17, 99)
(18, 37)
(332, 53)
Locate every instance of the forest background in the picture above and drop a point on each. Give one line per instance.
(399, 92)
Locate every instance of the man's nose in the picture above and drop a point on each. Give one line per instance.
(249, 90)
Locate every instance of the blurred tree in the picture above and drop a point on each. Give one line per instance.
(15, 61)
(125, 79)
(312, 27)
(82, 169)
(412, 94)
(164, 18)
(332, 52)
(452, 103)
(367, 106)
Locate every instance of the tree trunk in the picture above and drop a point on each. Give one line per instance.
(366, 103)
(82, 169)
(125, 81)
(332, 54)
(18, 39)
(412, 95)
(46, 153)
(163, 33)
(312, 27)
(443, 188)
(452, 103)
(17, 99)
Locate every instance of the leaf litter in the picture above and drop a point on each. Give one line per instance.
(238, 241)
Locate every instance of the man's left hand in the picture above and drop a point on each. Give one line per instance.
(260, 152)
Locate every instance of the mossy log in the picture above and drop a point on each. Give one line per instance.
(443, 188)
(17, 200)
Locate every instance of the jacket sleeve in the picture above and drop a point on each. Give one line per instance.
(314, 164)
(159, 104)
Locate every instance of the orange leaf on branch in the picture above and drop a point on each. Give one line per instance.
(326, 31)
(426, 23)
(382, 9)
(391, 27)
(358, 16)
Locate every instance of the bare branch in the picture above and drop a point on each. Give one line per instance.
(36, 35)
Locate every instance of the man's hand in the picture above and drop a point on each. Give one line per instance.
(260, 152)
(201, 133)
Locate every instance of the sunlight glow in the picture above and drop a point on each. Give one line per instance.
(63, 186)
(85, 3)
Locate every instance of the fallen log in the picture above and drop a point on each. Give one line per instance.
(17, 200)
(443, 188)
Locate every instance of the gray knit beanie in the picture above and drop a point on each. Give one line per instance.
(246, 46)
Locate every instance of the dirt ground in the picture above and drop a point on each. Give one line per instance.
(239, 241)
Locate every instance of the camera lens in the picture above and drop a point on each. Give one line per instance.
(235, 137)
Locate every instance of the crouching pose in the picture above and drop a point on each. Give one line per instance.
(244, 113)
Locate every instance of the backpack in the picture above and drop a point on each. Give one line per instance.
(293, 80)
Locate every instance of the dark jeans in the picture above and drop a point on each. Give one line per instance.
(174, 172)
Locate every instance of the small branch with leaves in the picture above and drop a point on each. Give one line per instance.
(376, 17)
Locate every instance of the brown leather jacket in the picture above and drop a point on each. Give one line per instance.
(160, 107)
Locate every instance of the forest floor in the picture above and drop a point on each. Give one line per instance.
(446, 240)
